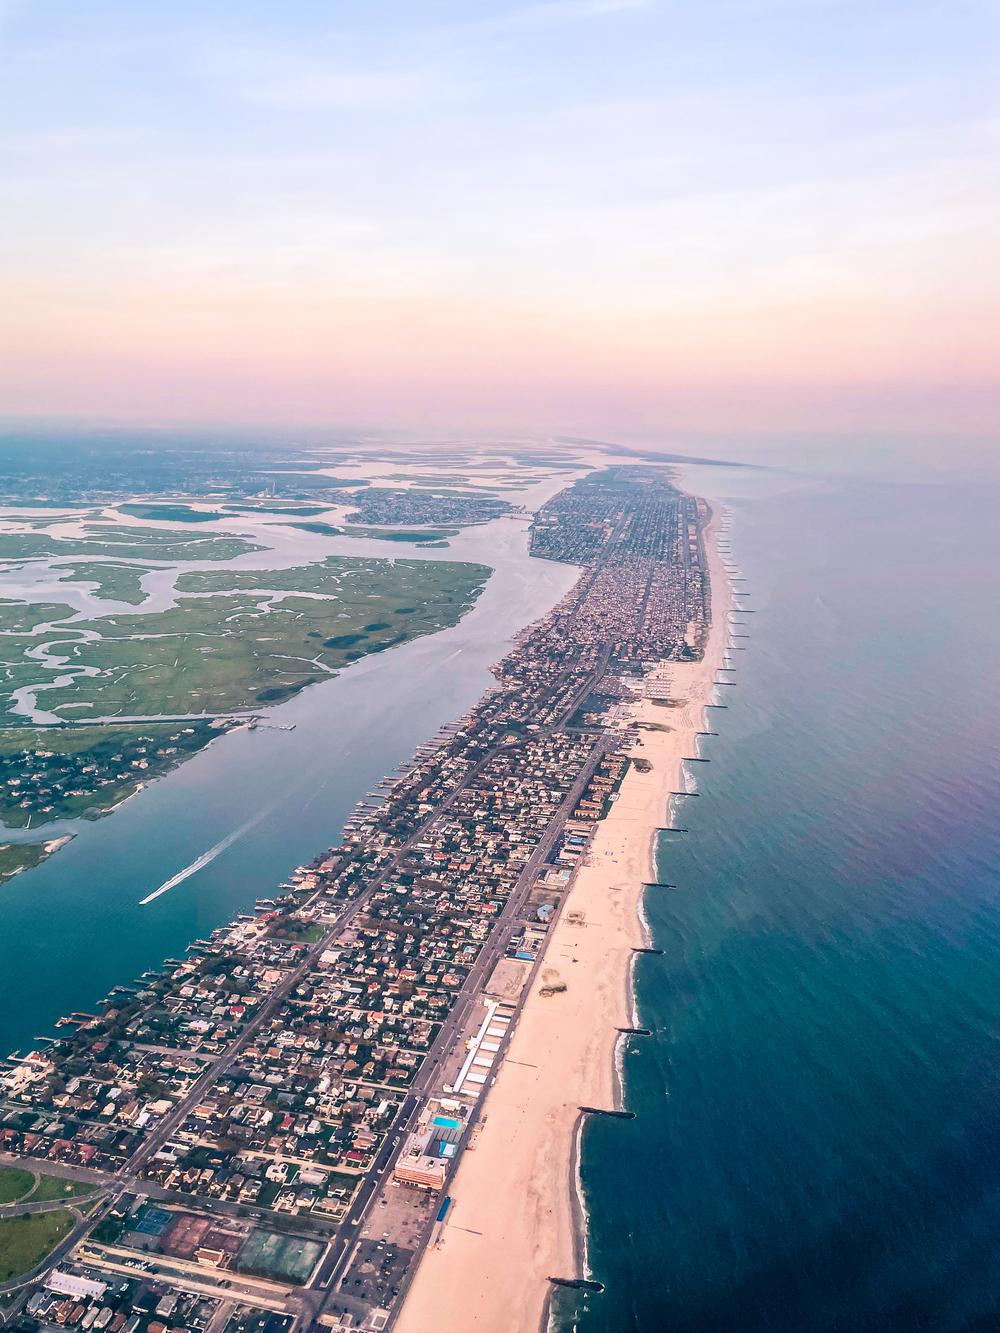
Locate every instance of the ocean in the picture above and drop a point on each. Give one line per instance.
(817, 1135)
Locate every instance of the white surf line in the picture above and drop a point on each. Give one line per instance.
(206, 858)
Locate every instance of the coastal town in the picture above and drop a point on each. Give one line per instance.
(388, 505)
(262, 1134)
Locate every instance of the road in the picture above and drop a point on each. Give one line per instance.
(47, 1205)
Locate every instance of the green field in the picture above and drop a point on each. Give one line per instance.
(277, 507)
(126, 543)
(25, 1241)
(20, 1186)
(415, 536)
(53, 1187)
(22, 617)
(18, 856)
(16, 669)
(217, 654)
(422, 536)
(167, 512)
(14, 1183)
(252, 638)
(157, 544)
(351, 579)
(115, 583)
(320, 529)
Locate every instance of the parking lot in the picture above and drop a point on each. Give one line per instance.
(377, 1271)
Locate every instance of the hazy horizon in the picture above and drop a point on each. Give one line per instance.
(576, 215)
(583, 216)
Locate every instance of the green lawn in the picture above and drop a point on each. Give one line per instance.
(52, 1187)
(18, 1186)
(14, 1183)
(25, 1241)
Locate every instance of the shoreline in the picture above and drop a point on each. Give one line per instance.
(518, 1216)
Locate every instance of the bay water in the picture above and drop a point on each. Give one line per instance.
(254, 804)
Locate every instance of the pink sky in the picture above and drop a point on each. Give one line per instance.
(786, 220)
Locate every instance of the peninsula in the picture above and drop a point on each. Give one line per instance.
(279, 1130)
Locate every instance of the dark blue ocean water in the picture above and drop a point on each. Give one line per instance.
(817, 1141)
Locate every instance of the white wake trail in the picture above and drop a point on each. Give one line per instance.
(206, 858)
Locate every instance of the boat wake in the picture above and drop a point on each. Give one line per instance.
(206, 858)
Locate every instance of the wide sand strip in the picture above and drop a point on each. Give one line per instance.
(511, 1225)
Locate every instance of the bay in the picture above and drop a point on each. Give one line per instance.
(73, 927)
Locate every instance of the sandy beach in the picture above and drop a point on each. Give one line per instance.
(511, 1226)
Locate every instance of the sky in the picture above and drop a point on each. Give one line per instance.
(639, 216)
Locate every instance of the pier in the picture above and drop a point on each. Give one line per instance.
(614, 1115)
